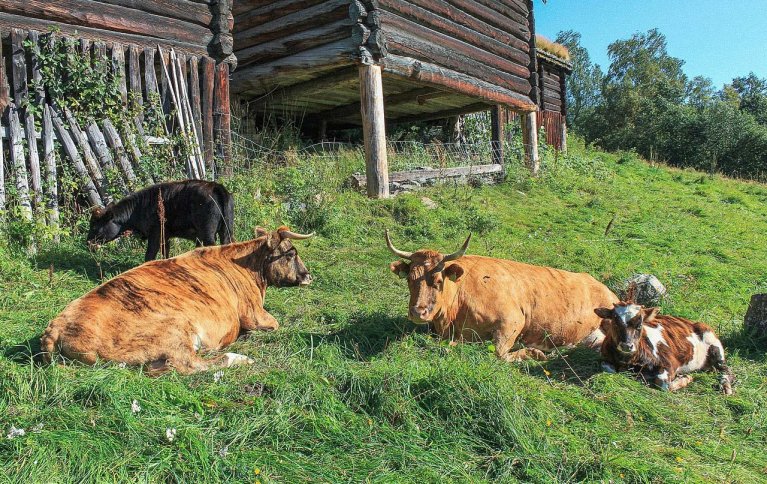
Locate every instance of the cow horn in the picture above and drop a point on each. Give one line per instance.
(396, 251)
(457, 255)
(287, 234)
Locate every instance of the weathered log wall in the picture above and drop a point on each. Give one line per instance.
(552, 73)
(198, 26)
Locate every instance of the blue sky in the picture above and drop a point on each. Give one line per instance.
(719, 39)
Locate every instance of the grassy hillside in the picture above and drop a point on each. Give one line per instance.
(349, 391)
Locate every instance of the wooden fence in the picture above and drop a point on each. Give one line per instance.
(30, 120)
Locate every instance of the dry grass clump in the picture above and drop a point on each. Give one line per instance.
(552, 47)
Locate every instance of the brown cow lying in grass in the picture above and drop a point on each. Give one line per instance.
(663, 348)
(163, 312)
(478, 298)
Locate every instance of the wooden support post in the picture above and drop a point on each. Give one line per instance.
(374, 131)
(498, 123)
(530, 141)
(222, 116)
(208, 85)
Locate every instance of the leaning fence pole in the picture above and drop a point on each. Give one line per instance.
(19, 163)
(70, 148)
(190, 124)
(173, 89)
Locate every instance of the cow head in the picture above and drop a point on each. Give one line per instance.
(282, 266)
(624, 323)
(103, 227)
(427, 272)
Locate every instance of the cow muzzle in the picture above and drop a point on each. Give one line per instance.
(306, 281)
(627, 348)
(420, 314)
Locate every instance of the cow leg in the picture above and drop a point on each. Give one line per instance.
(262, 322)
(680, 382)
(153, 246)
(505, 339)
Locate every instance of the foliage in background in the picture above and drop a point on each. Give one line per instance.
(646, 103)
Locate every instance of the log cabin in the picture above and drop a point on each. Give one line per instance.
(553, 68)
(369, 62)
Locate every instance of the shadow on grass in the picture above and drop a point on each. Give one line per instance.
(81, 261)
(367, 334)
(574, 366)
(748, 345)
(21, 353)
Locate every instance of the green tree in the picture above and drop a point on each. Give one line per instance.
(643, 83)
(753, 96)
(584, 84)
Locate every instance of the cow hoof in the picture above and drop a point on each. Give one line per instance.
(235, 359)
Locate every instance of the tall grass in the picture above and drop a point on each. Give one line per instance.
(349, 391)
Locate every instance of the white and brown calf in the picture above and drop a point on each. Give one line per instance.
(665, 349)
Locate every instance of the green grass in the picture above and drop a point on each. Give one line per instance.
(349, 391)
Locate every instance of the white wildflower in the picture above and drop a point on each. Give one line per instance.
(135, 407)
(14, 432)
(38, 428)
(170, 434)
(217, 376)
(122, 365)
(223, 451)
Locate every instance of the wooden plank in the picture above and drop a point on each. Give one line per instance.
(9, 21)
(19, 164)
(374, 131)
(93, 14)
(115, 142)
(99, 146)
(5, 92)
(151, 90)
(21, 98)
(135, 96)
(81, 139)
(513, 61)
(402, 43)
(497, 126)
(194, 96)
(222, 115)
(266, 13)
(194, 12)
(360, 181)
(309, 63)
(484, 38)
(295, 42)
(118, 68)
(167, 104)
(430, 74)
(208, 86)
(70, 148)
(306, 19)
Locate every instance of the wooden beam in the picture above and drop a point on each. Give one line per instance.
(530, 141)
(222, 116)
(360, 181)
(374, 131)
(430, 74)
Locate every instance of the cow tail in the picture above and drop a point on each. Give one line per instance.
(226, 226)
(48, 343)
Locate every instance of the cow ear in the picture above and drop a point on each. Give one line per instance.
(648, 314)
(604, 313)
(402, 269)
(273, 240)
(453, 272)
(260, 232)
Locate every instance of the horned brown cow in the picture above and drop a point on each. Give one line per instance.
(513, 304)
(162, 312)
